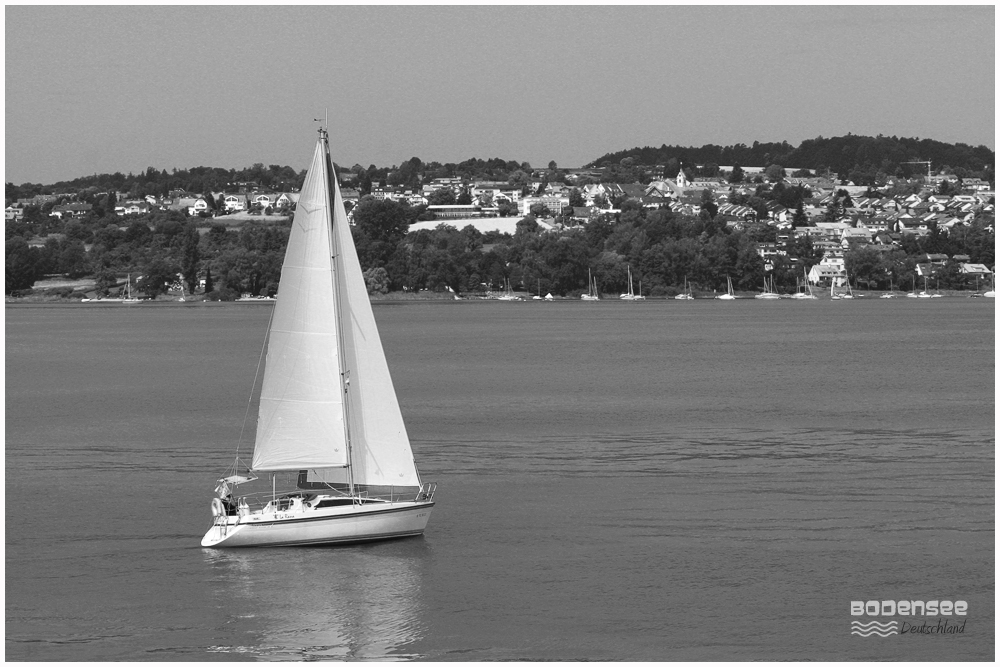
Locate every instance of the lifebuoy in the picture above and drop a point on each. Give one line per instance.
(217, 508)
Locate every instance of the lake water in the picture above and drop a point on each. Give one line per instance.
(617, 481)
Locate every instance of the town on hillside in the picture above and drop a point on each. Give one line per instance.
(801, 227)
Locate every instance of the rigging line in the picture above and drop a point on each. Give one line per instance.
(260, 363)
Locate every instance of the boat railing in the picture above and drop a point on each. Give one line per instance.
(426, 492)
(266, 501)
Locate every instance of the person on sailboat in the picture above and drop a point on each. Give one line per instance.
(229, 505)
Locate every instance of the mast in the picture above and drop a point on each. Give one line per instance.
(345, 373)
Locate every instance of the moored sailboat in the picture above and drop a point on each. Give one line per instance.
(729, 295)
(592, 294)
(631, 295)
(769, 293)
(127, 296)
(328, 418)
(508, 293)
(925, 294)
(806, 292)
(686, 294)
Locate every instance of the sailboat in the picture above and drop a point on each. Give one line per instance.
(806, 292)
(630, 295)
(127, 296)
(329, 419)
(508, 293)
(592, 287)
(925, 294)
(891, 294)
(729, 295)
(837, 296)
(768, 292)
(991, 292)
(686, 294)
(126, 291)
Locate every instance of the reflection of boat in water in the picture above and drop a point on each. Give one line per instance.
(348, 604)
(328, 419)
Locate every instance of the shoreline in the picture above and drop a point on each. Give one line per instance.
(433, 297)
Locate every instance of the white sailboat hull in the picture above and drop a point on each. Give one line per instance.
(338, 525)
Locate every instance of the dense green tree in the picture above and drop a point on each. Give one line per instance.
(157, 276)
(799, 219)
(377, 280)
(864, 265)
(774, 172)
(506, 209)
(441, 197)
(73, 259)
(190, 256)
(20, 265)
(736, 176)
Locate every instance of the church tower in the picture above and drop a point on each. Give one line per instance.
(681, 180)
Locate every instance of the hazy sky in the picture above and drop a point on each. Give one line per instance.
(105, 89)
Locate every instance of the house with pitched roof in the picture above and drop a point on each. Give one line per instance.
(133, 207)
(235, 202)
(496, 191)
(861, 234)
(974, 269)
(73, 210)
(554, 203)
(286, 199)
(263, 199)
(15, 211)
(824, 274)
(975, 184)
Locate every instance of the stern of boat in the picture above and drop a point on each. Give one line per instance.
(222, 529)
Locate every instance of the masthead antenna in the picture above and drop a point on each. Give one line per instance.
(324, 124)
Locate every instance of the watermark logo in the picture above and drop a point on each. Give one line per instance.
(901, 617)
(874, 628)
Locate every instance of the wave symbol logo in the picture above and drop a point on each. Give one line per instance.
(874, 628)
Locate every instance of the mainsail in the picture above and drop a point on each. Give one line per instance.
(325, 364)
